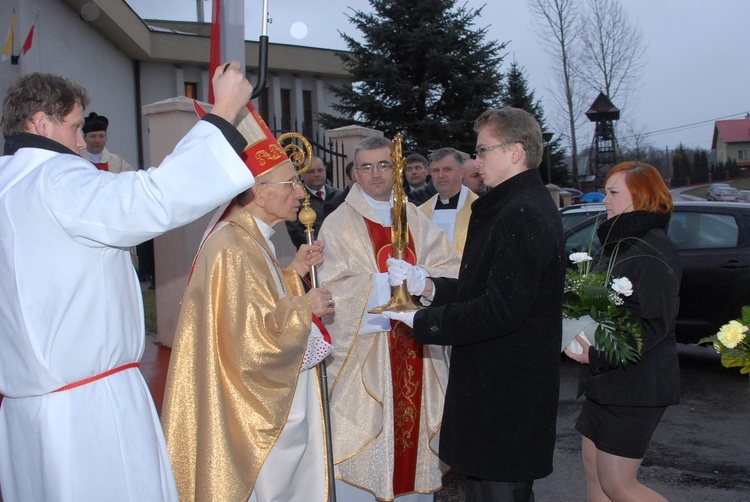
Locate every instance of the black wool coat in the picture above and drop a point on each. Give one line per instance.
(297, 230)
(503, 317)
(648, 258)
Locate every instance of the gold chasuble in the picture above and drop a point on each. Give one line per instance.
(235, 363)
(387, 392)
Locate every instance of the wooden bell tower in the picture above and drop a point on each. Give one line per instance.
(604, 150)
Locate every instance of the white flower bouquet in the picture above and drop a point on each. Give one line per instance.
(593, 306)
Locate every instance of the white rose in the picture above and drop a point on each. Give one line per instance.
(623, 286)
(580, 257)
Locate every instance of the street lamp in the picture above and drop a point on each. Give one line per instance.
(547, 137)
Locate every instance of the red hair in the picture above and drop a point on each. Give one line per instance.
(647, 187)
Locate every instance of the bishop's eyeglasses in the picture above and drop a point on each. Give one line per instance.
(295, 183)
(382, 166)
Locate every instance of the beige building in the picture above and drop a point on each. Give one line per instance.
(126, 62)
(731, 141)
(140, 74)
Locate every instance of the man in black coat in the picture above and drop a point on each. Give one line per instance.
(350, 177)
(503, 317)
(320, 196)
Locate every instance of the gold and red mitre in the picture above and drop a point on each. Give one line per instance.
(263, 153)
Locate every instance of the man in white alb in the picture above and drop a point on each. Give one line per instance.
(450, 208)
(78, 422)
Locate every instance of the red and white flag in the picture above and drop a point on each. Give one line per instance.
(29, 40)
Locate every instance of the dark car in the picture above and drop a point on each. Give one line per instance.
(713, 241)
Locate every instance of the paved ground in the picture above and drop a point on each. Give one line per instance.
(699, 452)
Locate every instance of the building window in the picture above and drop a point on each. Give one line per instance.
(741, 154)
(307, 123)
(286, 110)
(191, 90)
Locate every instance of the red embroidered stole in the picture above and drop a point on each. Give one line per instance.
(406, 375)
(102, 166)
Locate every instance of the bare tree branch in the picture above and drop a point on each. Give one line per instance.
(557, 22)
(612, 53)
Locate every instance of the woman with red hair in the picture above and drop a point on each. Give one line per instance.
(624, 405)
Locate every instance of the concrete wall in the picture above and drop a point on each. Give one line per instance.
(65, 44)
(106, 54)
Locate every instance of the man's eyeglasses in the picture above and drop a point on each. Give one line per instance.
(479, 152)
(295, 183)
(382, 166)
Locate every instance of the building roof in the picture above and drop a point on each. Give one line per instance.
(603, 109)
(732, 131)
(183, 42)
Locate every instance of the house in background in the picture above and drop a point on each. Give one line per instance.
(125, 63)
(731, 141)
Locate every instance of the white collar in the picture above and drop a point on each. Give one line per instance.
(381, 207)
(267, 232)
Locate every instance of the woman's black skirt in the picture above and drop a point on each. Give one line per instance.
(624, 431)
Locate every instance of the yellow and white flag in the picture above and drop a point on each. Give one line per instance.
(8, 47)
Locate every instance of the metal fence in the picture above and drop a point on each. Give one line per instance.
(331, 152)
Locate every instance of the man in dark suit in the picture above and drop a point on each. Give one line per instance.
(418, 186)
(502, 317)
(350, 178)
(320, 195)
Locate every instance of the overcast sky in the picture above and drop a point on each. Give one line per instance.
(697, 64)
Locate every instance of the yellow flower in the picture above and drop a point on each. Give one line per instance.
(731, 334)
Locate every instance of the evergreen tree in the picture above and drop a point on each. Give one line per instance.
(734, 170)
(515, 92)
(700, 166)
(424, 70)
(720, 173)
(680, 166)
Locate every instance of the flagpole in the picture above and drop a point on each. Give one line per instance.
(262, 54)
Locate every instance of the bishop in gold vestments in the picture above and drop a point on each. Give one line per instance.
(242, 410)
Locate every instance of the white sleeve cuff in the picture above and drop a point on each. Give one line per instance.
(380, 294)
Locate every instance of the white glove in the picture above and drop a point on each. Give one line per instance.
(400, 271)
(405, 317)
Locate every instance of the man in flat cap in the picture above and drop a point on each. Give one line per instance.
(95, 135)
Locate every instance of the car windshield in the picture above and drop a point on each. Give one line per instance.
(728, 191)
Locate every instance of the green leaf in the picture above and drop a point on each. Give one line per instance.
(595, 297)
(734, 358)
(615, 342)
